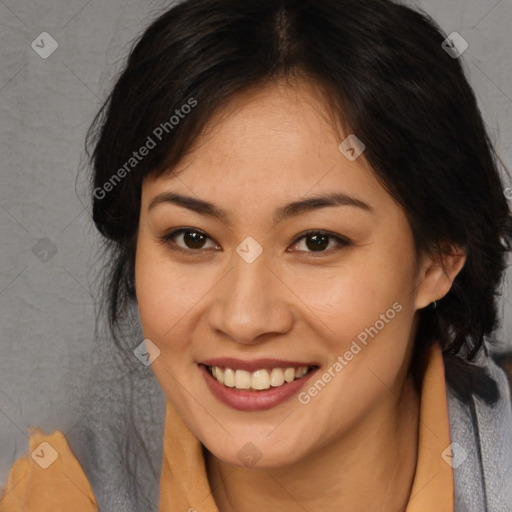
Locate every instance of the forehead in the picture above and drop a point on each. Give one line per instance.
(272, 144)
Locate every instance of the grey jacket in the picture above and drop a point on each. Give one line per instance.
(481, 436)
(483, 481)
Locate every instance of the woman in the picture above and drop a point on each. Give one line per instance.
(303, 204)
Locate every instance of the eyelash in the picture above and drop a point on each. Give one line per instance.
(342, 242)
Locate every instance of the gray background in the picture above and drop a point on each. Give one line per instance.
(47, 344)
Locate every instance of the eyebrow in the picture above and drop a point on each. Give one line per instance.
(289, 210)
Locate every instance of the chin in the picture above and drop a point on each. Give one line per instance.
(257, 452)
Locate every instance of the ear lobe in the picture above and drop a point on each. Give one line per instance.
(437, 274)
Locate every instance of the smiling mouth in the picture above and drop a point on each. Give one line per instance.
(259, 380)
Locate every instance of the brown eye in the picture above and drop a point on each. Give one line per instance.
(191, 239)
(319, 241)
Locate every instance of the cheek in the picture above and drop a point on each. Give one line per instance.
(353, 296)
(164, 293)
(346, 298)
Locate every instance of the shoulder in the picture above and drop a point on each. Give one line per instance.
(482, 389)
(480, 413)
(48, 478)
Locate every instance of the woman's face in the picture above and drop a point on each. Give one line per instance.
(251, 285)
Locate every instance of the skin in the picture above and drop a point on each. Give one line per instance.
(354, 445)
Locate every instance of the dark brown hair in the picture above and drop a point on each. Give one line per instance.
(381, 68)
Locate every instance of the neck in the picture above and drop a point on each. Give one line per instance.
(370, 467)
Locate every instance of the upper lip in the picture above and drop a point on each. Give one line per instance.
(257, 364)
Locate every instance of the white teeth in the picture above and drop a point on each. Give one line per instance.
(259, 379)
(300, 372)
(242, 379)
(276, 377)
(218, 374)
(289, 374)
(229, 377)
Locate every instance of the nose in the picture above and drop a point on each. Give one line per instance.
(251, 304)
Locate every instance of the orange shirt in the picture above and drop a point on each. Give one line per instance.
(51, 479)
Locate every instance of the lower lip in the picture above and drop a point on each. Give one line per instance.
(244, 400)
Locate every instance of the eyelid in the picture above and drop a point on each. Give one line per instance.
(342, 241)
(166, 239)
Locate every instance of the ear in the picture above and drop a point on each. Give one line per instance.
(437, 273)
